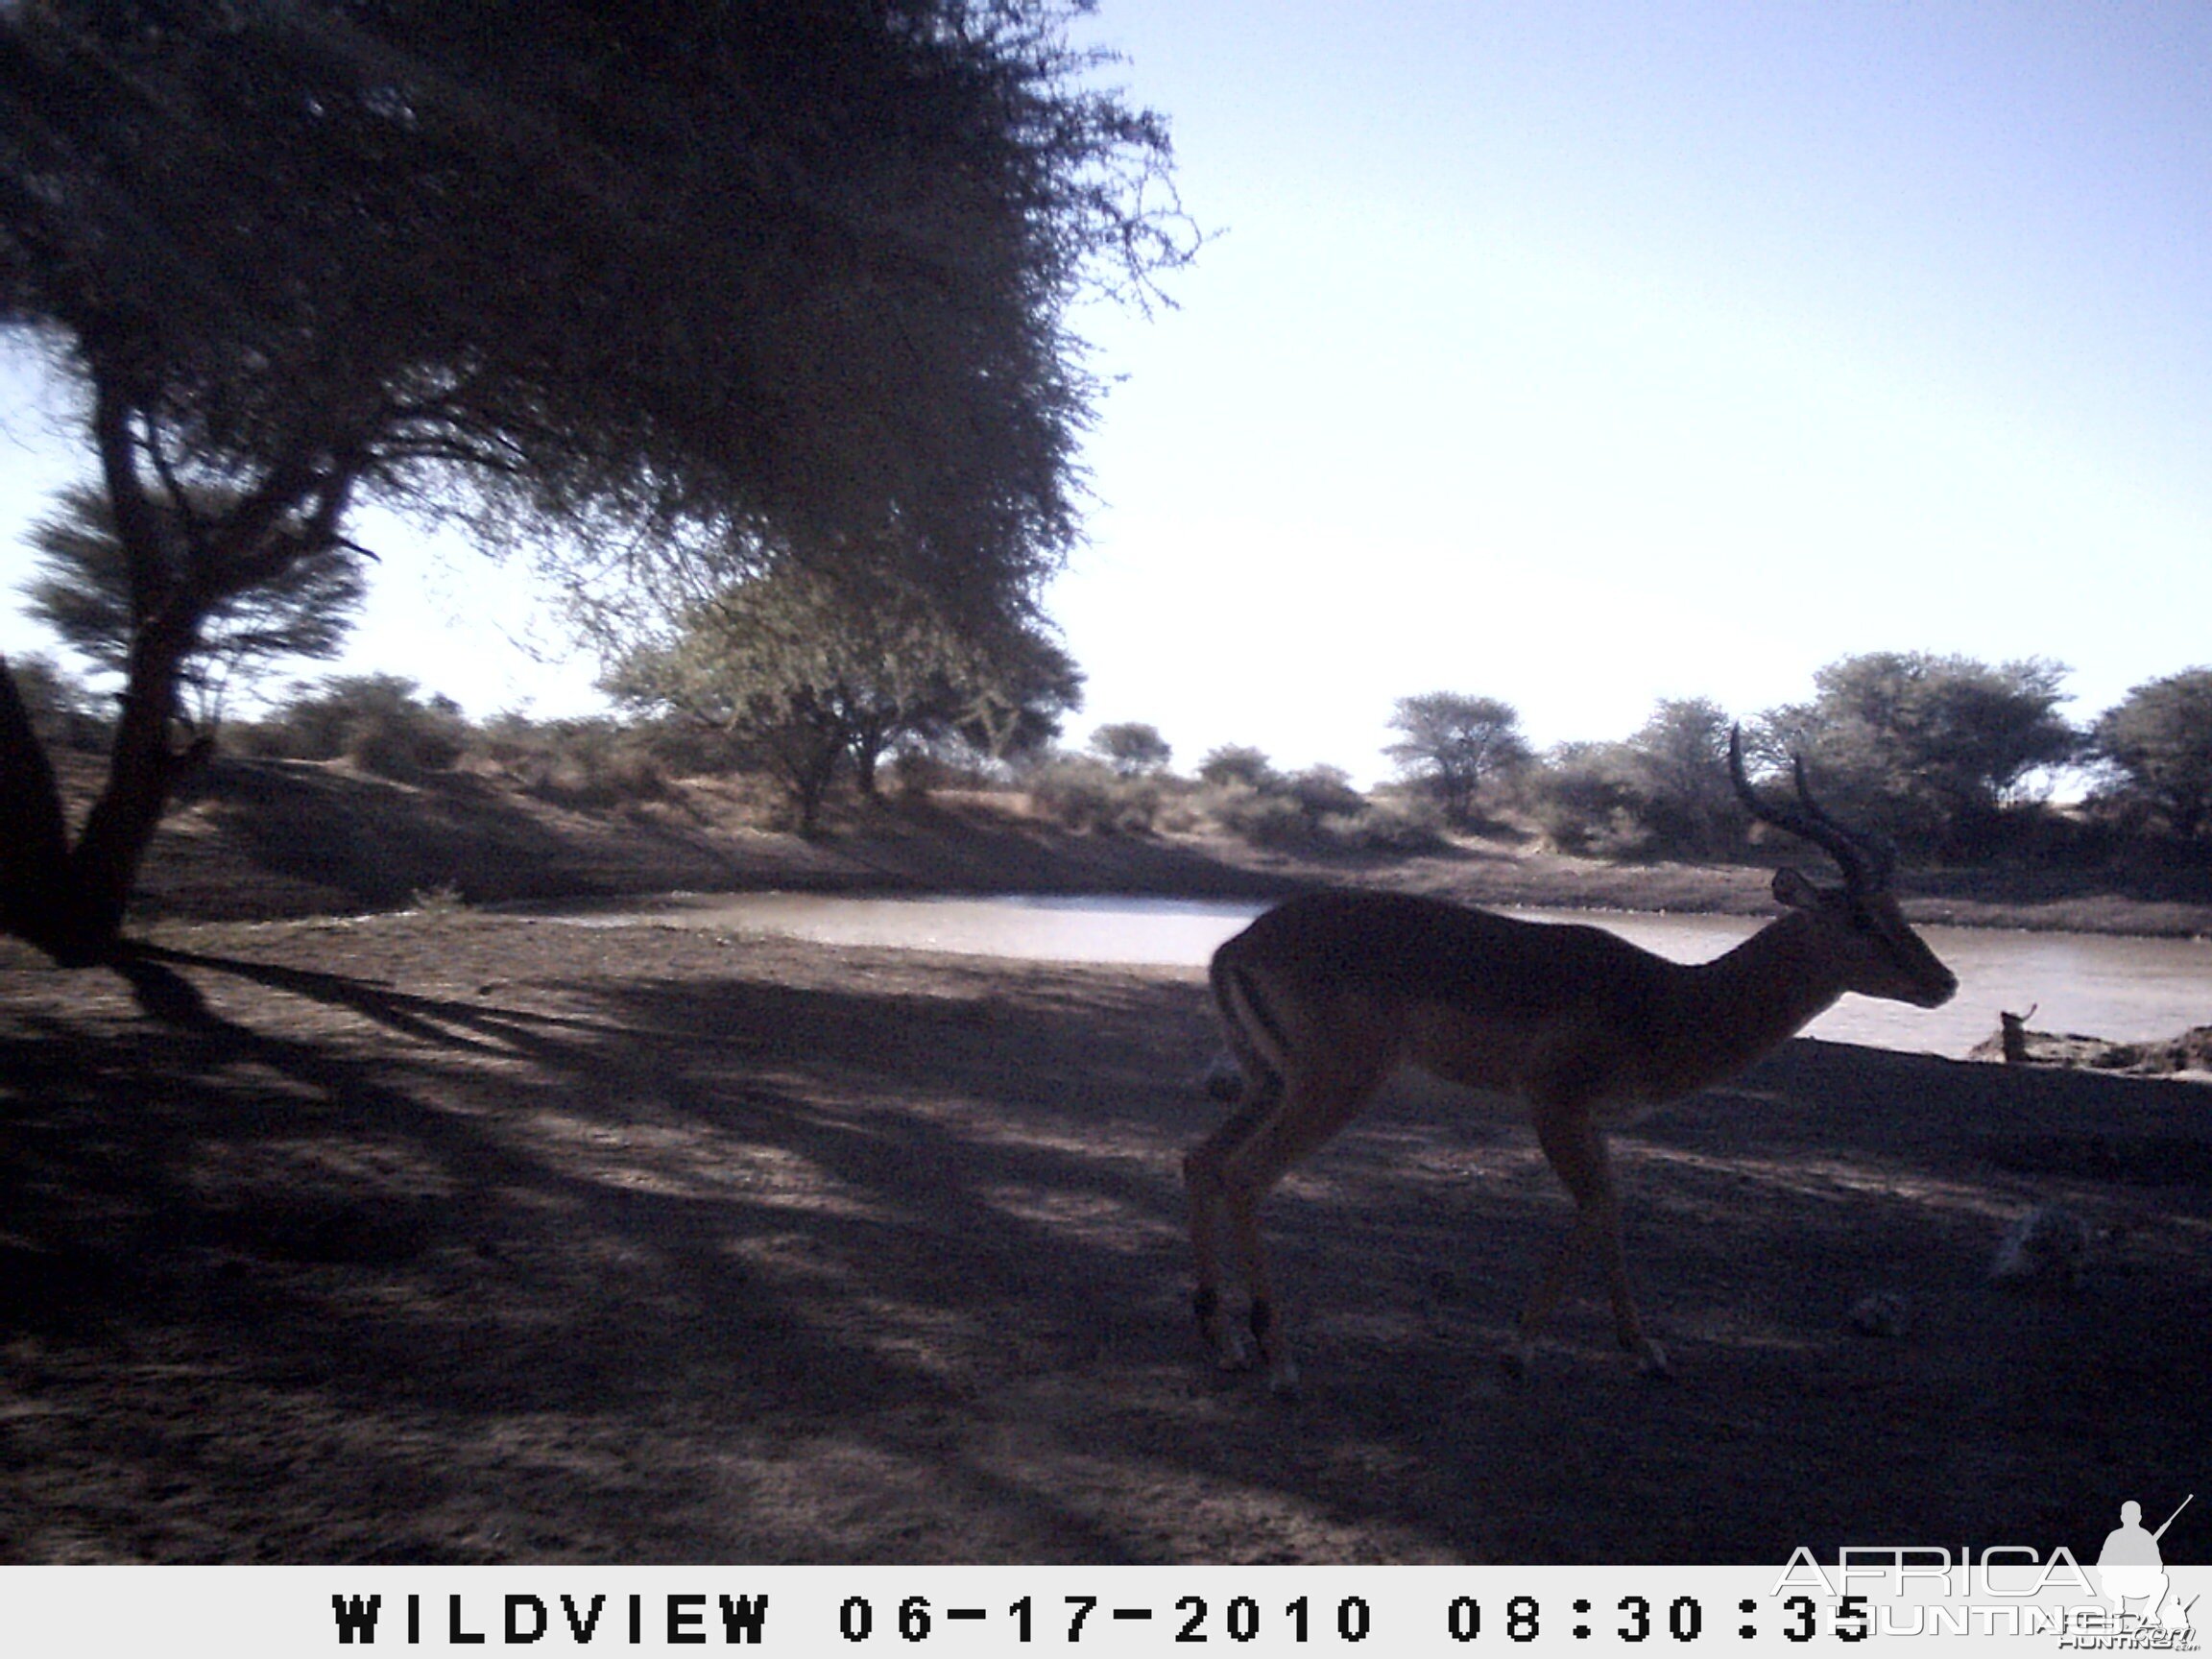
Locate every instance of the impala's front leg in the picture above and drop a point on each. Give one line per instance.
(1575, 1149)
(1628, 1327)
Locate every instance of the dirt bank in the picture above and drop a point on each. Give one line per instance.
(448, 1237)
(261, 839)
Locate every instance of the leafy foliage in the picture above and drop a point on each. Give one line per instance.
(1663, 793)
(1324, 792)
(1587, 798)
(1679, 759)
(1236, 763)
(1007, 702)
(1083, 793)
(1131, 748)
(1452, 745)
(808, 673)
(652, 283)
(381, 722)
(1935, 745)
(2158, 743)
(83, 593)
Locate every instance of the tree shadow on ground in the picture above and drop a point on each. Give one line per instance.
(497, 1250)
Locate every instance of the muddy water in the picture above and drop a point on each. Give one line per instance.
(2121, 988)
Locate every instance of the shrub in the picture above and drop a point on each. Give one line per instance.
(377, 721)
(1264, 819)
(918, 773)
(1586, 799)
(1397, 825)
(1325, 792)
(1089, 795)
(1238, 763)
(578, 762)
(63, 708)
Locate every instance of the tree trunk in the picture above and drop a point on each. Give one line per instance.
(35, 882)
(142, 771)
(69, 902)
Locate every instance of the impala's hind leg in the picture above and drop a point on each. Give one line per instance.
(1575, 1149)
(1314, 1106)
(1207, 1195)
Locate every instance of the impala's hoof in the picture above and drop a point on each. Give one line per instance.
(1232, 1353)
(1654, 1364)
(1516, 1361)
(1282, 1383)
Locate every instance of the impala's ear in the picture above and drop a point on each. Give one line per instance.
(1793, 890)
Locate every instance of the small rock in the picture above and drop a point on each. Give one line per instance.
(2044, 1249)
(1882, 1314)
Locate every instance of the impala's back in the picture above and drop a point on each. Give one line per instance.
(1360, 983)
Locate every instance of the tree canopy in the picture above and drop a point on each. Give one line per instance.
(811, 674)
(1681, 760)
(83, 593)
(1664, 791)
(1238, 763)
(1452, 745)
(2158, 742)
(1935, 745)
(1131, 748)
(643, 282)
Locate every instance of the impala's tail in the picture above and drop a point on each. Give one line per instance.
(1255, 1040)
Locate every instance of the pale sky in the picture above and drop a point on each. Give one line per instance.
(1582, 355)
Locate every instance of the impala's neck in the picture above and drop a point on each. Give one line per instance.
(1733, 1009)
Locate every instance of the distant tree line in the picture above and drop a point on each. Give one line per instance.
(816, 685)
(1953, 759)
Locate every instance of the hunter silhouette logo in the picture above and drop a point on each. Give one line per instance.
(2125, 1603)
(2130, 1569)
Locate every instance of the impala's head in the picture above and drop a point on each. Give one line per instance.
(1878, 954)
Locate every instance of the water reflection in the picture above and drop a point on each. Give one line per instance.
(2121, 988)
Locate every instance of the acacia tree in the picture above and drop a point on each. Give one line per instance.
(1936, 745)
(1238, 763)
(1680, 757)
(1132, 747)
(810, 673)
(1452, 745)
(1011, 695)
(83, 593)
(646, 282)
(1664, 791)
(2157, 741)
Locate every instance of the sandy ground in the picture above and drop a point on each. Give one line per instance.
(454, 1237)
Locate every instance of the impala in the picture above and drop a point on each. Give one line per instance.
(1325, 996)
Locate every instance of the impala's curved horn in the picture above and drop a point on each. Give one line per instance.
(1867, 861)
